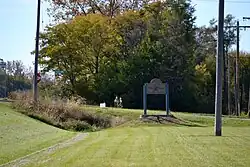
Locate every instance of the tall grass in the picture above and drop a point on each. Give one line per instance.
(63, 114)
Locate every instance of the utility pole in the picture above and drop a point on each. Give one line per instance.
(219, 64)
(225, 79)
(228, 85)
(35, 91)
(248, 108)
(237, 102)
(236, 76)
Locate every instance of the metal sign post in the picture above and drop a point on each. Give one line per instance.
(145, 98)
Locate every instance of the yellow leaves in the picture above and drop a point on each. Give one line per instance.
(201, 72)
(202, 68)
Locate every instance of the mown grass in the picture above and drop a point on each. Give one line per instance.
(72, 116)
(134, 143)
(154, 147)
(21, 135)
(208, 120)
(132, 115)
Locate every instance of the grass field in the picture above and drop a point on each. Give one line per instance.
(21, 135)
(132, 144)
(155, 146)
(198, 119)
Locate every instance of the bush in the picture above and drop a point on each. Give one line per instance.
(60, 114)
(20, 95)
(78, 125)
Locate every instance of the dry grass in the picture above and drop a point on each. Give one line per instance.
(66, 115)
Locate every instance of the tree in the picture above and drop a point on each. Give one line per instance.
(229, 40)
(244, 64)
(125, 51)
(105, 51)
(14, 78)
(78, 48)
(248, 101)
(206, 39)
(167, 44)
(67, 9)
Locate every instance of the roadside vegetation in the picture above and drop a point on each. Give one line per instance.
(70, 115)
(116, 136)
(99, 51)
(21, 135)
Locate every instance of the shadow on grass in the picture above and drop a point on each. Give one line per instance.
(163, 119)
(223, 136)
(41, 119)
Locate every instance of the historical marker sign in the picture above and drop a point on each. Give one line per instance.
(155, 87)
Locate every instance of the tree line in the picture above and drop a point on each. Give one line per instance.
(15, 77)
(108, 48)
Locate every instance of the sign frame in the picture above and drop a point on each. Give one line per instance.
(155, 87)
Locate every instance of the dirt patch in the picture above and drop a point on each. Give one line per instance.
(163, 119)
(30, 158)
(66, 144)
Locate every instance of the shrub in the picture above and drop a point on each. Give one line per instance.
(77, 125)
(20, 95)
(60, 114)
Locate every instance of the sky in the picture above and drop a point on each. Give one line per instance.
(18, 24)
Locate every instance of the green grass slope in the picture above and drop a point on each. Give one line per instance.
(132, 115)
(21, 135)
(155, 147)
(132, 144)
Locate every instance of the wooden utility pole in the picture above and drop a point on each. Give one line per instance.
(236, 76)
(35, 91)
(219, 70)
(224, 103)
(248, 107)
(237, 100)
(228, 85)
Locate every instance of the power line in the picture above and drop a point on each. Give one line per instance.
(246, 18)
(237, 26)
(228, 1)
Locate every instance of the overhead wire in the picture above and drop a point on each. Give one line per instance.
(226, 1)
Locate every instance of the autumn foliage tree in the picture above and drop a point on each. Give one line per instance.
(68, 9)
(109, 48)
